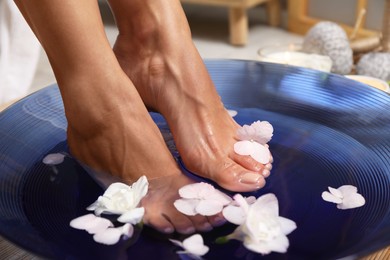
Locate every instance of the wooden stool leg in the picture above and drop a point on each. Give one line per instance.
(238, 25)
(273, 12)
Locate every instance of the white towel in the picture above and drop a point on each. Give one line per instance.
(19, 53)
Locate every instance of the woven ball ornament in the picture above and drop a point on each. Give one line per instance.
(328, 38)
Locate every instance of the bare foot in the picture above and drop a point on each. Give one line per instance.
(127, 143)
(160, 58)
(109, 127)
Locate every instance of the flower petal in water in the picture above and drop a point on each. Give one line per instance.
(111, 236)
(53, 158)
(261, 228)
(259, 131)
(346, 197)
(193, 246)
(201, 198)
(122, 199)
(91, 223)
(257, 151)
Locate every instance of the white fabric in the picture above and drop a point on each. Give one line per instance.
(19, 53)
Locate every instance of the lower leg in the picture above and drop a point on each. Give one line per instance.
(109, 128)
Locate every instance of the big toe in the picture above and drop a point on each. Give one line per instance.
(234, 177)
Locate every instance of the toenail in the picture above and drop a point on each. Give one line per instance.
(250, 178)
(206, 226)
(266, 173)
(168, 230)
(219, 221)
(189, 230)
(268, 166)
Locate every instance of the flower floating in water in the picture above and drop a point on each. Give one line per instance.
(103, 230)
(201, 198)
(253, 142)
(53, 158)
(259, 131)
(193, 246)
(346, 197)
(123, 200)
(119, 199)
(260, 228)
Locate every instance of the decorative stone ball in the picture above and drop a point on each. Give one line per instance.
(375, 64)
(328, 38)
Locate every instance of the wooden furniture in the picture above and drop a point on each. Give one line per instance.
(300, 21)
(238, 18)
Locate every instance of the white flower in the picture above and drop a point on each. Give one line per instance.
(103, 230)
(201, 198)
(193, 246)
(254, 149)
(253, 142)
(259, 131)
(260, 228)
(123, 200)
(346, 197)
(53, 158)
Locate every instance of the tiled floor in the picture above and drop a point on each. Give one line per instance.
(210, 32)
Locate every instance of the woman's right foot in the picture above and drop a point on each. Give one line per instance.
(155, 49)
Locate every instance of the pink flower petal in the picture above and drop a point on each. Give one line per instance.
(194, 190)
(186, 206)
(208, 207)
(244, 147)
(261, 153)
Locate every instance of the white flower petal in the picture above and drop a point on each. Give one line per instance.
(287, 225)
(257, 247)
(347, 189)
(127, 230)
(193, 191)
(244, 147)
(352, 201)
(267, 203)
(336, 192)
(90, 223)
(140, 187)
(194, 245)
(53, 158)
(279, 244)
(241, 202)
(82, 222)
(133, 216)
(186, 206)
(259, 131)
(109, 236)
(260, 153)
(234, 214)
(209, 207)
(327, 196)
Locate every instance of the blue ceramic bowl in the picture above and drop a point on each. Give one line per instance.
(329, 131)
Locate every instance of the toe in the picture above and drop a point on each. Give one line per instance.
(217, 220)
(201, 223)
(159, 223)
(247, 162)
(234, 177)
